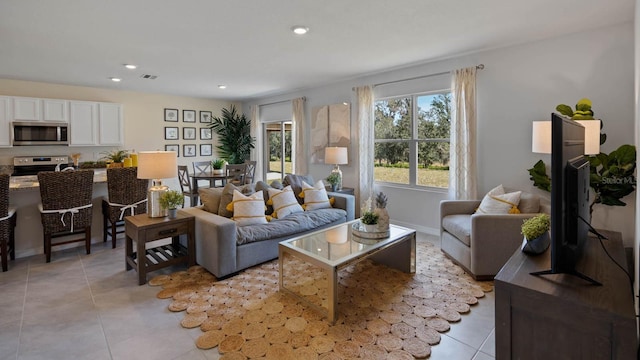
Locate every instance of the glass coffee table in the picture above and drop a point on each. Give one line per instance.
(309, 264)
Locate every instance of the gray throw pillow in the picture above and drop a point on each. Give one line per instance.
(296, 184)
(264, 187)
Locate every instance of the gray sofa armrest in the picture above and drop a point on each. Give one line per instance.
(345, 202)
(215, 241)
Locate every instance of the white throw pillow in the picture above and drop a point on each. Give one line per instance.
(284, 202)
(248, 210)
(497, 202)
(315, 197)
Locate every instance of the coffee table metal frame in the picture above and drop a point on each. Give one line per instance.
(397, 251)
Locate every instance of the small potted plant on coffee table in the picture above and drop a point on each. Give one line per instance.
(369, 220)
(171, 200)
(536, 234)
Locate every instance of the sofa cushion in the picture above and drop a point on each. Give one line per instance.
(458, 226)
(227, 197)
(284, 202)
(497, 202)
(248, 210)
(210, 198)
(293, 224)
(264, 187)
(315, 197)
(529, 203)
(296, 184)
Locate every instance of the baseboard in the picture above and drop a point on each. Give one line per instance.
(418, 228)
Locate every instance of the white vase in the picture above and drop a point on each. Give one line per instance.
(218, 171)
(383, 218)
(370, 227)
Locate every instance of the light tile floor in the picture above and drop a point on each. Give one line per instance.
(88, 307)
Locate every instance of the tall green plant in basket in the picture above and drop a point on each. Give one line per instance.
(234, 135)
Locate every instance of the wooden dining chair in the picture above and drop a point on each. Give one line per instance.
(249, 171)
(127, 195)
(203, 166)
(66, 206)
(235, 173)
(185, 185)
(7, 224)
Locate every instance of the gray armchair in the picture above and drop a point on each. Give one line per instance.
(482, 243)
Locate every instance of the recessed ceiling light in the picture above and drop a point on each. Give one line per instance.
(222, 86)
(130, 66)
(115, 79)
(299, 29)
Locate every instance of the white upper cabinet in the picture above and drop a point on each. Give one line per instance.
(26, 109)
(111, 124)
(5, 121)
(55, 110)
(83, 123)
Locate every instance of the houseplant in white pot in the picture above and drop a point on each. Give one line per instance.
(171, 200)
(218, 165)
(369, 220)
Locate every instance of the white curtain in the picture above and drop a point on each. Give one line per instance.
(364, 96)
(298, 157)
(258, 152)
(463, 173)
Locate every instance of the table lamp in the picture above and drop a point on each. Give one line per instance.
(541, 137)
(157, 165)
(336, 156)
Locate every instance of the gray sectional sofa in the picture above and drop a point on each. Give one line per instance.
(223, 248)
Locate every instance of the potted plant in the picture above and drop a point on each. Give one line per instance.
(369, 220)
(536, 234)
(171, 200)
(234, 135)
(334, 180)
(115, 158)
(217, 165)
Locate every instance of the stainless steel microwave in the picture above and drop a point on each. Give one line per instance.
(40, 133)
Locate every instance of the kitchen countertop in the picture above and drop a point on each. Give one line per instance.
(30, 182)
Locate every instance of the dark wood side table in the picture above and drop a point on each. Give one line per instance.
(344, 190)
(143, 229)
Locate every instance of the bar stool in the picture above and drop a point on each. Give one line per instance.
(66, 206)
(127, 195)
(185, 185)
(7, 224)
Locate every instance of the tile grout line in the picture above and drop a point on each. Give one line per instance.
(24, 305)
(93, 300)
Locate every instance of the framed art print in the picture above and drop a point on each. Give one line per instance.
(205, 134)
(171, 115)
(189, 150)
(205, 116)
(205, 150)
(171, 133)
(189, 133)
(173, 147)
(188, 116)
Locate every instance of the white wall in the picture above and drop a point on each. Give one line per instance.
(518, 85)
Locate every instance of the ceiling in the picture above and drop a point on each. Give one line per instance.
(192, 46)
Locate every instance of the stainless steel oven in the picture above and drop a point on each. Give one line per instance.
(31, 165)
(40, 133)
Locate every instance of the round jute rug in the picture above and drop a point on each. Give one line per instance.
(383, 313)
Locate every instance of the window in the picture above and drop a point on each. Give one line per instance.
(412, 140)
(278, 135)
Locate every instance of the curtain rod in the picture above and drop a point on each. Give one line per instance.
(479, 67)
(280, 102)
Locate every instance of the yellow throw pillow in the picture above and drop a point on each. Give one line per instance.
(283, 201)
(315, 197)
(497, 202)
(248, 210)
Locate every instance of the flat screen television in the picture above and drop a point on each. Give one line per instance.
(570, 215)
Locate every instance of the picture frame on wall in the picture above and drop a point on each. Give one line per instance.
(171, 133)
(189, 116)
(189, 150)
(173, 147)
(189, 133)
(205, 117)
(206, 150)
(171, 115)
(205, 134)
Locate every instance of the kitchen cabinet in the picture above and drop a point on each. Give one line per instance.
(55, 110)
(26, 109)
(5, 121)
(95, 124)
(83, 123)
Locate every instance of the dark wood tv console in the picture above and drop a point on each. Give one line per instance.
(564, 317)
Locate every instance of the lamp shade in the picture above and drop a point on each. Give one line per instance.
(335, 155)
(541, 137)
(157, 164)
(591, 136)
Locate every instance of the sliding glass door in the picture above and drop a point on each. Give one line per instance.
(277, 150)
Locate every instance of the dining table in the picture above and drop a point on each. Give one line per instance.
(207, 175)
